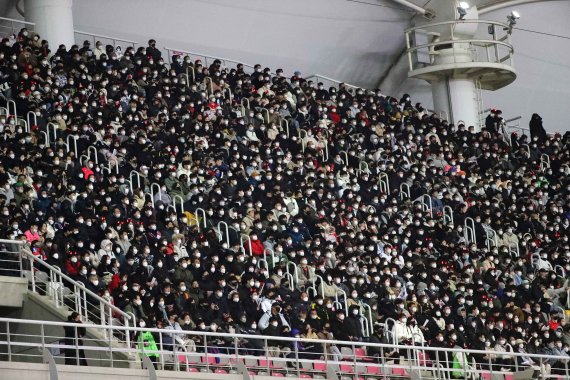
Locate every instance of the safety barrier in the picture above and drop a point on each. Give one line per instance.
(104, 39)
(384, 183)
(368, 325)
(221, 354)
(35, 118)
(209, 85)
(284, 125)
(13, 26)
(302, 135)
(312, 290)
(68, 145)
(469, 230)
(12, 111)
(491, 239)
(61, 290)
(425, 202)
(404, 191)
(89, 157)
(341, 303)
(294, 273)
(544, 162)
(153, 193)
(226, 230)
(242, 239)
(201, 218)
(271, 253)
(447, 215)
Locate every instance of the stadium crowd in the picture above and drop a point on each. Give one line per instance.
(314, 198)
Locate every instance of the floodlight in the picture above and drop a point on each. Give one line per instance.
(512, 20)
(462, 9)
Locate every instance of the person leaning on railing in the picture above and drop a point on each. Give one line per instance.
(73, 337)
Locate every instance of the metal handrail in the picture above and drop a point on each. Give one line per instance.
(18, 21)
(133, 43)
(425, 206)
(138, 176)
(200, 211)
(412, 365)
(384, 183)
(295, 273)
(55, 271)
(227, 230)
(271, 252)
(455, 22)
(320, 77)
(51, 127)
(463, 41)
(470, 235)
(447, 215)
(206, 56)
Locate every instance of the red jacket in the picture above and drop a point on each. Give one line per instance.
(72, 268)
(256, 247)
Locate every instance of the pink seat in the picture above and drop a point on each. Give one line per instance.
(509, 376)
(347, 368)
(305, 376)
(221, 371)
(399, 371)
(210, 360)
(192, 369)
(359, 352)
(265, 363)
(320, 366)
(277, 374)
(372, 370)
(181, 358)
(486, 375)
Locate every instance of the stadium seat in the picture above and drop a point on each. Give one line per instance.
(359, 352)
(372, 369)
(346, 353)
(320, 366)
(264, 363)
(400, 372)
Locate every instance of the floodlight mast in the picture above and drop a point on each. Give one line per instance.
(459, 61)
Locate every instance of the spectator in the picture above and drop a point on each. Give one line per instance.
(327, 234)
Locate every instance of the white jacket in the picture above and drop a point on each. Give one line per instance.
(403, 332)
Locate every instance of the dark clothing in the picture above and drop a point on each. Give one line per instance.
(73, 337)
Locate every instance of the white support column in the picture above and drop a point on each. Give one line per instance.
(464, 107)
(54, 20)
(441, 97)
(458, 98)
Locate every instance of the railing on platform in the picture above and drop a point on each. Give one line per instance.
(63, 291)
(222, 353)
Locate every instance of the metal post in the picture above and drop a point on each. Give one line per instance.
(110, 336)
(85, 303)
(102, 316)
(297, 357)
(8, 341)
(161, 350)
(76, 340)
(355, 374)
(206, 351)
